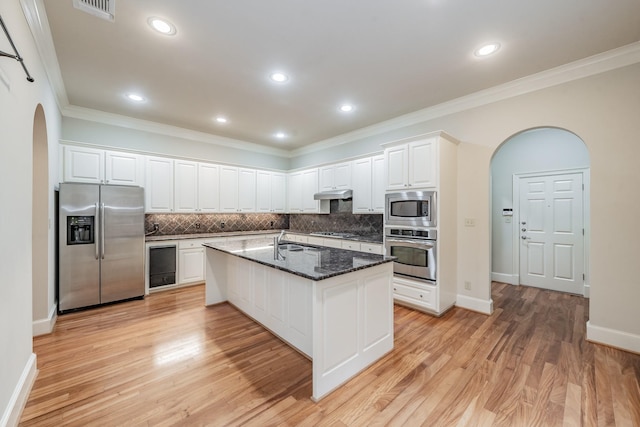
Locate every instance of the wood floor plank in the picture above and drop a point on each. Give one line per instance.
(168, 360)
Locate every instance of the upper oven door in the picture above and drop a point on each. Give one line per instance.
(411, 208)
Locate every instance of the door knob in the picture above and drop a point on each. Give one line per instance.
(524, 237)
(524, 222)
(524, 229)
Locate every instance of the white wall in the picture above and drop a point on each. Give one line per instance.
(119, 137)
(18, 102)
(603, 110)
(535, 150)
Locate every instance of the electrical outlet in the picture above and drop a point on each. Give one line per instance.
(197, 225)
(469, 222)
(156, 227)
(272, 222)
(467, 285)
(222, 225)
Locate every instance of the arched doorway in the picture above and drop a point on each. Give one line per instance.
(40, 224)
(540, 158)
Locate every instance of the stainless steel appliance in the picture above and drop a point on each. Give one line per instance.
(162, 265)
(101, 244)
(415, 250)
(411, 208)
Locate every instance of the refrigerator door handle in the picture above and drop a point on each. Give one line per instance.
(97, 242)
(102, 228)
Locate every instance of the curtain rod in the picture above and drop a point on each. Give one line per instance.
(17, 56)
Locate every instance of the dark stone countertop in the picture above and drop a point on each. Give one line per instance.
(369, 238)
(311, 262)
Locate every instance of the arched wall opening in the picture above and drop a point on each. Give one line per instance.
(40, 217)
(532, 151)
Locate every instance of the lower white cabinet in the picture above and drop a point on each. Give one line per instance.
(191, 265)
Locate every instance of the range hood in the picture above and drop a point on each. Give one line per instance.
(333, 195)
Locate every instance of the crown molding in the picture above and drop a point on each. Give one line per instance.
(600, 63)
(92, 115)
(36, 16)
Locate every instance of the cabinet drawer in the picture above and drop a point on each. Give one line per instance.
(424, 295)
(371, 248)
(333, 243)
(352, 246)
(190, 243)
(319, 241)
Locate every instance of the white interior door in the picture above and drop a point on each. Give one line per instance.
(551, 227)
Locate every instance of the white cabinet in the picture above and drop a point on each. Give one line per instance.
(335, 177)
(95, 166)
(208, 187)
(185, 186)
(302, 186)
(237, 189)
(270, 191)
(196, 187)
(190, 262)
(158, 189)
(368, 185)
(412, 165)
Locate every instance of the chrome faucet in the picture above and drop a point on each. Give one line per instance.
(276, 246)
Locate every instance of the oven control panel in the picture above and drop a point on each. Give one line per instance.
(420, 233)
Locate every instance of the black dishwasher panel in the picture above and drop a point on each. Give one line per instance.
(162, 265)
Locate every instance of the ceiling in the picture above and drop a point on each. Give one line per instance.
(387, 58)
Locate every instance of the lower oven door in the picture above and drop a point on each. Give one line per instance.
(414, 258)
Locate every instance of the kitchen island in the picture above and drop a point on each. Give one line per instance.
(333, 305)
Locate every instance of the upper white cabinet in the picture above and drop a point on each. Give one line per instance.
(185, 194)
(237, 189)
(302, 186)
(335, 177)
(271, 192)
(208, 187)
(368, 185)
(95, 166)
(158, 190)
(412, 165)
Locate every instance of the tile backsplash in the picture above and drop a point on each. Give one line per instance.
(339, 220)
(172, 224)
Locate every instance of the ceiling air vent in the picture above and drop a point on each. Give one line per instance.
(104, 9)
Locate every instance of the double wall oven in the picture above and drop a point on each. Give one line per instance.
(410, 233)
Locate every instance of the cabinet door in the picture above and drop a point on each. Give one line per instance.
(124, 168)
(397, 173)
(377, 184)
(295, 192)
(278, 192)
(422, 162)
(342, 176)
(208, 187)
(190, 265)
(159, 185)
(362, 185)
(246, 190)
(185, 186)
(228, 189)
(326, 178)
(263, 191)
(309, 188)
(83, 165)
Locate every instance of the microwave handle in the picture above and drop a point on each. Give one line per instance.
(427, 243)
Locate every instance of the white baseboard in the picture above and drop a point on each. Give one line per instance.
(18, 400)
(613, 338)
(45, 326)
(511, 279)
(474, 304)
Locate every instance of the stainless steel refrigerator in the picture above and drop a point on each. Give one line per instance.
(101, 244)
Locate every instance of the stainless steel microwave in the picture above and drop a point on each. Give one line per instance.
(411, 208)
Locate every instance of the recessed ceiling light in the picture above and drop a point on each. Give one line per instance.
(162, 26)
(487, 49)
(279, 77)
(346, 108)
(135, 97)
(221, 120)
(280, 135)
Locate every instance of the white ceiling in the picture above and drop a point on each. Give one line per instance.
(387, 58)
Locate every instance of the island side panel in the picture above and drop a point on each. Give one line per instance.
(352, 325)
(216, 277)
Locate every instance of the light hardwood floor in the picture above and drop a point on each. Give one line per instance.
(169, 360)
